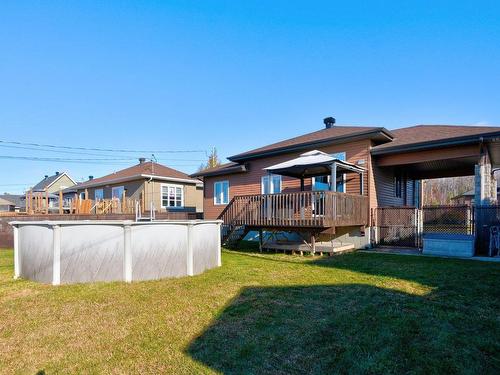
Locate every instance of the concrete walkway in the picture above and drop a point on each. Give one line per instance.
(416, 252)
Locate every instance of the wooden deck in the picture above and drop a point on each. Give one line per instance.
(313, 209)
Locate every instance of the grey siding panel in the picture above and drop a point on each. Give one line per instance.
(384, 185)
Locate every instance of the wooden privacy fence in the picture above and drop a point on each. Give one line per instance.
(320, 209)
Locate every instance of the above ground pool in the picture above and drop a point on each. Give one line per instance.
(64, 252)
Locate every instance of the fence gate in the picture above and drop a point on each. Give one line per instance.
(397, 226)
(487, 230)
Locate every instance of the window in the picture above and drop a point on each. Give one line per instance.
(99, 194)
(81, 195)
(321, 183)
(117, 192)
(272, 185)
(339, 155)
(172, 196)
(221, 192)
(398, 185)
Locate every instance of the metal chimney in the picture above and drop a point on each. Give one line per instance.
(329, 122)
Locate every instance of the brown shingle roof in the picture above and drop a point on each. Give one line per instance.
(146, 168)
(323, 135)
(230, 167)
(421, 134)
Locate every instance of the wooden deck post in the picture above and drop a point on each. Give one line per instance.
(60, 202)
(124, 204)
(313, 244)
(261, 240)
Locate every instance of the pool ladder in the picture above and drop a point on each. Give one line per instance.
(138, 213)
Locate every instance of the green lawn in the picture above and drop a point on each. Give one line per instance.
(355, 313)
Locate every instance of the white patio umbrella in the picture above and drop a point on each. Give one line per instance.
(311, 163)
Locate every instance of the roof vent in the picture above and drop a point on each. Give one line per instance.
(57, 173)
(46, 176)
(91, 178)
(329, 122)
(142, 160)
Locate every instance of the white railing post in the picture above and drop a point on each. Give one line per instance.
(56, 246)
(189, 252)
(127, 253)
(17, 254)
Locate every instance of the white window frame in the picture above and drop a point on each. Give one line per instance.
(114, 188)
(174, 186)
(271, 187)
(95, 193)
(221, 203)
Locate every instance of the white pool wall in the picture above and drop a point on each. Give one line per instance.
(65, 252)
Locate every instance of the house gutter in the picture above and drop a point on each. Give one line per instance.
(286, 149)
(231, 170)
(437, 144)
(138, 177)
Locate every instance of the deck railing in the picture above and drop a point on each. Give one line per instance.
(300, 209)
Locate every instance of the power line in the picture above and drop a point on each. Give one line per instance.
(128, 157)
(56, 151)
(101, 149)
(14, 184)
(119, 161)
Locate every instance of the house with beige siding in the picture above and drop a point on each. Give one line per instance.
(43, 196)
(154, 185)
(352, 170)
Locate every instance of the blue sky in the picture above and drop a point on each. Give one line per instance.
(190, 75)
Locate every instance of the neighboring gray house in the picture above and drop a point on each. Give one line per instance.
(468, 197)
(11, 202)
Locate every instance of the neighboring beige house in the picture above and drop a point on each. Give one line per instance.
(52, 184)
(49, 188)
(147, 182)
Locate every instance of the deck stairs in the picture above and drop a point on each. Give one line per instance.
(232, 234)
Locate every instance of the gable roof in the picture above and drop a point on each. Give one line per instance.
(420, 136)
(324, 136)
(230, 167)
(140, 171)
(49, 181)
(12, 199)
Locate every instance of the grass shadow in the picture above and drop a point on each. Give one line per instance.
(362, 327)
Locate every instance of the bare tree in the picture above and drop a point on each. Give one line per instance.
(213, 160)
